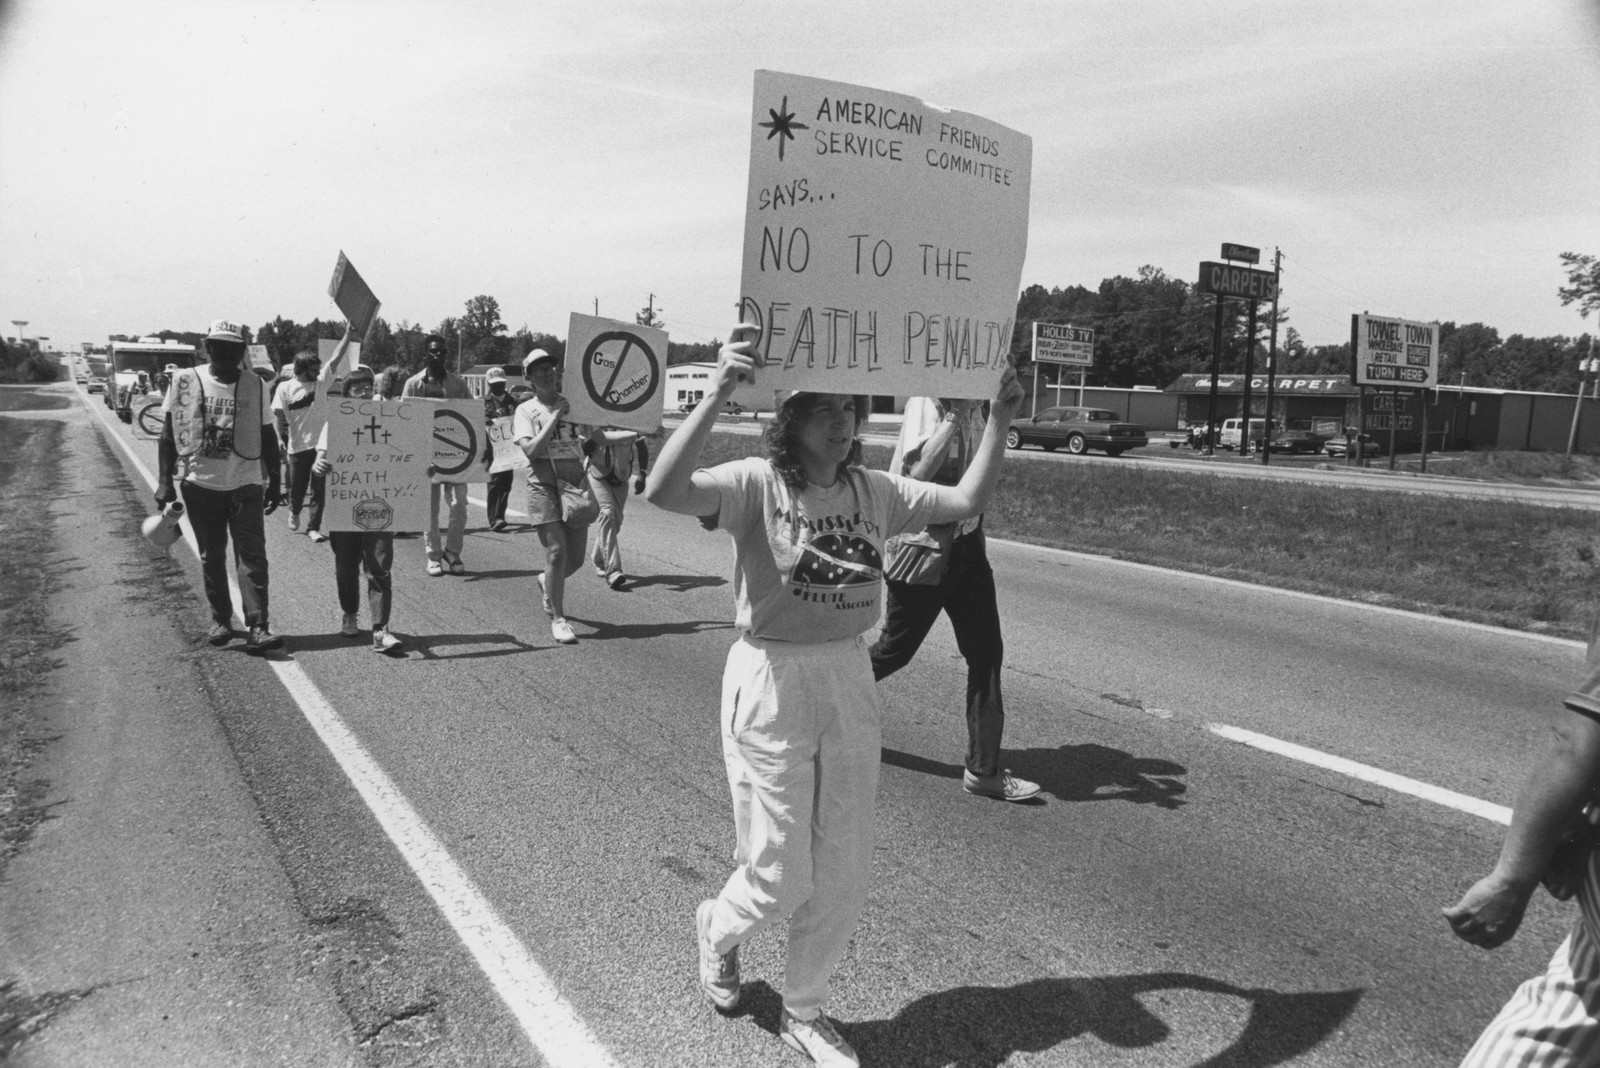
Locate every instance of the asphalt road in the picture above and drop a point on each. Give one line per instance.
(1176, 898)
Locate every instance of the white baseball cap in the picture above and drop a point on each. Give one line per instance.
(224, 330)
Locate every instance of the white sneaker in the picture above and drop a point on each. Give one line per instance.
(1002, 786)
(294, 522)
(719, 972)
(351, 627)
(435, 568)
(561, 631)
(383, 641)
(317, 536)
(818, 1040)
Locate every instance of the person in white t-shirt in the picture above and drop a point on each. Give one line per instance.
(800, 717)
(297, 411)
(218, 445)
(555, 447)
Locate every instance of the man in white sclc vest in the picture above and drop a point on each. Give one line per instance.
(218, 445)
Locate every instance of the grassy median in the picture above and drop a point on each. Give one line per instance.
(1512, 565)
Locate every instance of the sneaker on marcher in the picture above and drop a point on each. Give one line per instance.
(317, 536)
(1002, 786)
(384, 642)
(435, 568)
(499, 526)
(220, 634)
(262, 639)
(453, 562)
(719, 972)
(616, 579)
(294, 522)
(819, 1040)
(561, 631)
(350, 626)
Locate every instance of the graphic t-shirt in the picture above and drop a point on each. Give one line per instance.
(302, 409)
(563, 457)
(808, 566)
(215, 462)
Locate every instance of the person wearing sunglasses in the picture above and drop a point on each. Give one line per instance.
(437, 382)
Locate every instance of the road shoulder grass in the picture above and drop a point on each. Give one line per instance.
(1520, 566)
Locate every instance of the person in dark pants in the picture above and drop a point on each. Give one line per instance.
(498, 404)
(297, 411)
(936, 444)
(218, 444)
(355, 551)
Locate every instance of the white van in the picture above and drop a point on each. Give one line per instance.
(1228, 436)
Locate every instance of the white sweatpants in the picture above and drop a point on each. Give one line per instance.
(1553, 1020)
(802, 743)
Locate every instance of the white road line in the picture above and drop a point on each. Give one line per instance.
(549, 1020)
(1366, 773)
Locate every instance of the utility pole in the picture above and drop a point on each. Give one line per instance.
(1272, 352)
(1584, 366)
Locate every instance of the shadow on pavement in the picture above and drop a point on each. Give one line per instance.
(1092, 772)
(426, 644)
(676, 583)
(602, 631)
(1076, 773)
(984, 1026)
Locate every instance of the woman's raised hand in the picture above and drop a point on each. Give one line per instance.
(738, 360)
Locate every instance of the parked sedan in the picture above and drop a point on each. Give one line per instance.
(1338, 448)
(1079, 429)
(1296, 441)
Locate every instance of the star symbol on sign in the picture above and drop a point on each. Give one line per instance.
(782, 126)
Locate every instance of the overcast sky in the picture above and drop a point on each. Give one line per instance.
(166, 163)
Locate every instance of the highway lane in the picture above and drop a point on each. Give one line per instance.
(1174, 897)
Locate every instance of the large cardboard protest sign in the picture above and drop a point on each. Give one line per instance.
(508, 456)
(460, 440)
(353, 296)
(884, 240)
(379, 450)
(615, 373)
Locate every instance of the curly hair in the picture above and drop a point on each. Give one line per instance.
(782, 437)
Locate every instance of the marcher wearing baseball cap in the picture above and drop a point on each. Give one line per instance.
(555, 448)
(498, 404)
(218, 445)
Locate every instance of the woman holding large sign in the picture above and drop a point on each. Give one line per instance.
(800, 715)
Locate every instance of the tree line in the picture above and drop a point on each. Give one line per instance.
(476, 337)
(1149, 329)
